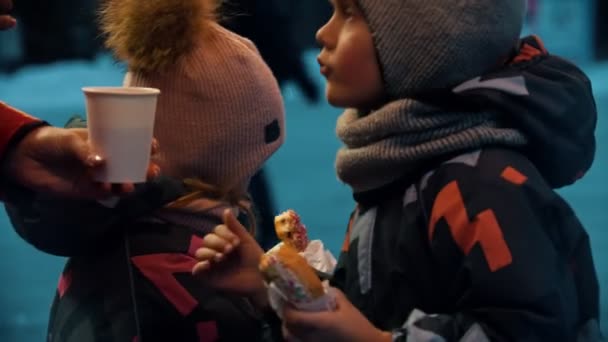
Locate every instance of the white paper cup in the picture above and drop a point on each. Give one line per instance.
(121, 125)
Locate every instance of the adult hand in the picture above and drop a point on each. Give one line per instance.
(59, 161)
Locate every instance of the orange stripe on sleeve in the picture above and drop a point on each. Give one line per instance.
(528, 52)
(483, 229)
(346, 244)
(512, 175)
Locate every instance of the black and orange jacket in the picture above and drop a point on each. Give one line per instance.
(129, 272)
(481, 244)
(477, 245)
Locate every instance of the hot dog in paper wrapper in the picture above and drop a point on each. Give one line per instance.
(288, 272)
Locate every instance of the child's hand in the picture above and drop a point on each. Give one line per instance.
(229, 261)
(346, 323)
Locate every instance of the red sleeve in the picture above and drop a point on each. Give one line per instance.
(11, 121)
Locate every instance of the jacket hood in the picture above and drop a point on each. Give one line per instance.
(548, 99)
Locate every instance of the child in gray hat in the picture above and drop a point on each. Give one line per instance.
(456, 134)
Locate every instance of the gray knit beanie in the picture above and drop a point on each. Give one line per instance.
(424, 45)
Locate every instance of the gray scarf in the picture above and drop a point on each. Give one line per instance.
(382, 146)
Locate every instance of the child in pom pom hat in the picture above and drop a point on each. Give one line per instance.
(219, 117)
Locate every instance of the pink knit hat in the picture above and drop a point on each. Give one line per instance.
(220, 114)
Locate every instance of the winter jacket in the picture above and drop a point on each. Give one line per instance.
(129, 272)
(476, 245)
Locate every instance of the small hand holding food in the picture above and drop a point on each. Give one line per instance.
(229, 260)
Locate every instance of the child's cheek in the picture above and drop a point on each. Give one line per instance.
(355, 62)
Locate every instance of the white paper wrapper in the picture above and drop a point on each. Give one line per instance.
(324, 303)
(318, 257)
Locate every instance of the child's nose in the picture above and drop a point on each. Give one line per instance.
(321, 36)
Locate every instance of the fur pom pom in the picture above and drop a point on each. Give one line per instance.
(151, 35)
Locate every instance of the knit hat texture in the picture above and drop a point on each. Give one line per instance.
(220, 114)
(426, 45)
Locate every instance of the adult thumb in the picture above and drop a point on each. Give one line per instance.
(235, 226)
